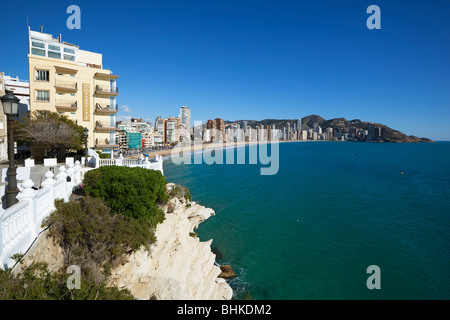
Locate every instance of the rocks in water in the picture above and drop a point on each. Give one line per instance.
(227, 272)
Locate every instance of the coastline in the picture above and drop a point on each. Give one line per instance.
(178, 266)
(203, 146)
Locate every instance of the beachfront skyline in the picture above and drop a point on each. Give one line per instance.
(275, 60)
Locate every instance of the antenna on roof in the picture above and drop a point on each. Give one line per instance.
(42, 28)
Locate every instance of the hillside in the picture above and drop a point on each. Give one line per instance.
(339, 125)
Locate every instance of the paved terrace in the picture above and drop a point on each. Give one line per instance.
(36, 175)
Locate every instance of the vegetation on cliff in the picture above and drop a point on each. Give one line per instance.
(94, 238)
(36, 282)
(132, 192)
(117, 215)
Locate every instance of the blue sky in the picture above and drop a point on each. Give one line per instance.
(242, 59)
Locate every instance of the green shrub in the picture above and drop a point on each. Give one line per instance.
(36, 282)
(132, 192)
(181, 192)
(93, 238)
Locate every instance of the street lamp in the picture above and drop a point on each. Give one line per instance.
(11, 109)
(86, 131)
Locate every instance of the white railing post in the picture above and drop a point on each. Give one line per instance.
(70, 171)
(77, 174)
(62, 176)
(119, 161)
(28, 194)
(44, 201)
(49, 181)
(69, 184)
(59, 187)
(62, 173)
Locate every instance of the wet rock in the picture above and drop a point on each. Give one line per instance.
(227, 272)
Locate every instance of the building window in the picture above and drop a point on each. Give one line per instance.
(42, 75)
(38, 52)
(69, 57)
(54, 48)
(38, 44)
(42, 95)
(55, 55)
(38, 48)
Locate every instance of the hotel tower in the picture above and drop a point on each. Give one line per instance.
(71, 81)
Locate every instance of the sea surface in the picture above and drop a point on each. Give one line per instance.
(332, 210)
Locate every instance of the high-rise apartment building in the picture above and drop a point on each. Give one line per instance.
(218, 124)
(160, 128)
(71, 81)
(210, 124)
(185, 116)
(185, 124)
(172, 124)
(378, 132)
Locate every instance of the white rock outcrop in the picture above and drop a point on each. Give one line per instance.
(178, 266)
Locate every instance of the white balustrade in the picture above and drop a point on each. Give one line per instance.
(21, 223)
(107, 162)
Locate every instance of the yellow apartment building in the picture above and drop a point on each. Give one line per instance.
(71, 81)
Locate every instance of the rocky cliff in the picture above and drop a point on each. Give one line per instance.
(177, 266)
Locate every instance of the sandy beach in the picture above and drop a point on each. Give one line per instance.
(168, 152)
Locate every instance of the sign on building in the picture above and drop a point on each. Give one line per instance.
(86, 101)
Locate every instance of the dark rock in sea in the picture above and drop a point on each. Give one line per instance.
(227, 272)
(217, 252)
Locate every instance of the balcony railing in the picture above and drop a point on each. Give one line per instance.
(105, 144)
(66, 105)
(106, 90)
(99, 108)
(99, 126)
(64, 85)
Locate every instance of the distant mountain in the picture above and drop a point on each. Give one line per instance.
(338, 124)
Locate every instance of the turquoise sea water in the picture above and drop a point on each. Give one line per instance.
(332, 210)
